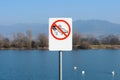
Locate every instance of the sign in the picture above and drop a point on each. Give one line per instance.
(60, 34)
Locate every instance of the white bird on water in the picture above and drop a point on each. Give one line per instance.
(75, 68)
(83, 73)
(113, 73)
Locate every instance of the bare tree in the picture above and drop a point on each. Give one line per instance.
(43, 40)
(1, 41)
(29, 36)
(84, 44)
(92, 40)
(20, 40)
(76, 38)
(111, 39)
(6, 43)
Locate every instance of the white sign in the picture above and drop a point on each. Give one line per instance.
(60, 34)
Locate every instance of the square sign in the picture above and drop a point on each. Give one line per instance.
(60, 34)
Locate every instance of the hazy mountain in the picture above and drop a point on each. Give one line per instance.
(96, 27)
(35, 27)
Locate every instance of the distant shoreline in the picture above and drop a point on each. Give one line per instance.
(45, 48)
(77, 47)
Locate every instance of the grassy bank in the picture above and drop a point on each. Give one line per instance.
(104, 46)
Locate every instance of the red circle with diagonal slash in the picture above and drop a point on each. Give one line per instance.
(66, 35)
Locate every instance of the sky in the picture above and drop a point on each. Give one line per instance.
(39, 11)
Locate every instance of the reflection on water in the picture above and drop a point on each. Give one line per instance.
(43, 65)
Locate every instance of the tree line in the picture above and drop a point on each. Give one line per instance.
(26, 41)
(81, 41)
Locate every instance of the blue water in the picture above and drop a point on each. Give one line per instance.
(43, 65)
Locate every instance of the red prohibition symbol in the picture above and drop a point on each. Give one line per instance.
(59, 28)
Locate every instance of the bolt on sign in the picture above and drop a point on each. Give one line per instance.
(60, 34)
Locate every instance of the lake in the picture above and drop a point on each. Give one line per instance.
(44, 65)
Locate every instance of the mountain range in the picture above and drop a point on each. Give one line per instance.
(95, 27)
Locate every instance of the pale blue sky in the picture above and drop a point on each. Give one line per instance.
(38, 11)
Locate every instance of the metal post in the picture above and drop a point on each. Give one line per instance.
(60, 65)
